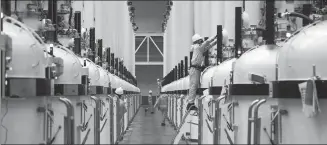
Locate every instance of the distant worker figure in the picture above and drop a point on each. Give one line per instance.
(122, 107)
(162, 104)
(150, 102)
(199, 47)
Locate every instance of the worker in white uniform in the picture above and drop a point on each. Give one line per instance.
(199, 47)
(122, 107)
(162, 104)
(150, 102)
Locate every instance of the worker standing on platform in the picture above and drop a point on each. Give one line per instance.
(150, 102)
(199, 47)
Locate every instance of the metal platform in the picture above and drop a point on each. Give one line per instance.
(146, 129)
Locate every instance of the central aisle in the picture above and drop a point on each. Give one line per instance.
(147, 129)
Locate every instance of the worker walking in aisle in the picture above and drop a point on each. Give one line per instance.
(162, 104)
(150, 102)
(198, 48)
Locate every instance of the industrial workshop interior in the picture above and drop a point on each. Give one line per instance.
(163, 72)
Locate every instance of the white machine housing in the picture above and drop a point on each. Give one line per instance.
(24, 66)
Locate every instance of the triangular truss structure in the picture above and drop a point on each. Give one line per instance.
(149, 49)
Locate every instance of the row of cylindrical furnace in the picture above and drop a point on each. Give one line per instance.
(53, 95)
(256, 96)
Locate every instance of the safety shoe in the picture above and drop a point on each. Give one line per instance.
(163, 124)
(191, 106)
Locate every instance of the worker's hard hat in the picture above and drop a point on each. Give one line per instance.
(196, 37)
(150, 92)
(119, 91)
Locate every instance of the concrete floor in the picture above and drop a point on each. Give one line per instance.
(147, 129)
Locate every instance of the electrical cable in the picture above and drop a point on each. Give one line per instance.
(4, 127)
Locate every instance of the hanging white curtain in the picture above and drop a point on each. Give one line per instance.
(217, 16)
(205, 18)
(98, 21)
(112, 25)
(230, 17)
(184, 13)
(253, 9)
(197, 17)
(178, 35)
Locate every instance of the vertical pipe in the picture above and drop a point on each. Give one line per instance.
(52, 15)
(116, 66)
(6, 6)
(176, 73)
(100, 52)
(77, 46)
(108, 59)
(112, 63)
(120, 66)
(270, 22)
(186, 66)
(206, 55)
(92, 43)
(77, 26)
(306, 11)
(219, 44)
(191, 56)
(77, 22)
(238, 30)
(1, 24)
(200, 119)
(182, 69)
(179, 71)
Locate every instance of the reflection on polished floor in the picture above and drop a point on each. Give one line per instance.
(147, 129)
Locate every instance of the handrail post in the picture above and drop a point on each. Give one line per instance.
(216, 134)
(250, 120)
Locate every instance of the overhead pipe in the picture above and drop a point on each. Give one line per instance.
(238, 31)
(295, 14)
(100, 52)
(92, 44)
